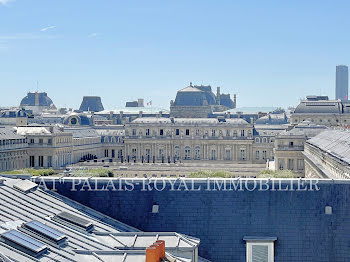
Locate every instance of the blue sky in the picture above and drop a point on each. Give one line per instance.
(268, 52)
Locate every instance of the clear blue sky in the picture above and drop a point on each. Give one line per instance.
(268, 52)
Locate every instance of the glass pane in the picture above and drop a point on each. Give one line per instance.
(260, 253)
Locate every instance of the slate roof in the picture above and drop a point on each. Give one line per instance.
(9, 133)
(23, 201)
(190, 121)
(135, 110)
(91, 103)
(82, 132)
(333, 142)
(24, 130)
(29, 100)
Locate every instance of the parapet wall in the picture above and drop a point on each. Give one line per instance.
(221, 213)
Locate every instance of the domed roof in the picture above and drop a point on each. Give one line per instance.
(190, 96)
(37, 99)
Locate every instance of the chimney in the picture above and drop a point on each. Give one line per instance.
(152, 254)
(235, 100)
(218, 95)
(110, 115)
(51, 129)
(140, 114)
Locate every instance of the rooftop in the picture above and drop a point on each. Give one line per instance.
(40, 217)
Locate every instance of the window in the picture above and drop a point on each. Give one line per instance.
(213, 154)
(227, 132)
(161, 153)
(41, 141)
(41, 161)
(242, 132)
(260, 249)
(113, 153)
(177, 152)
(242, 154)
(227, 154)
(257, 140)
(264, 140)
(197, 153)
(49, 141)
(177, 132)
(281, 165)
(161, 132)
(134, 132)
(32, 161)
(49, 161)
(120, 153)
(147, 132)
(197, 132)
(300, 164)
(187, 132)
(106, 152)
(291, 144)
(133, 152)
(257, 155)
(264, 154)
(31, 141)
(148, 152)
(187, 152)
(213, 132)
(291, 164)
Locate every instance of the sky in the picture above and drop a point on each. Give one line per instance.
(270, 53)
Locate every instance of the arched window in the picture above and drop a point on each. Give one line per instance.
(257, 140)
(106, 140)
(197, 153)
(187, 152)
(264, 140)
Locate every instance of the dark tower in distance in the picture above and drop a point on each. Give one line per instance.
(92, 104)
(341, 82)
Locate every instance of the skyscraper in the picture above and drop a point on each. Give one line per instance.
(341, 82)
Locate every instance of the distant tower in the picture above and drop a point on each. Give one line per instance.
(341, 82)
(91, 103)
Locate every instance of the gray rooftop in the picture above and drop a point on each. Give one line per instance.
(334, 142)
(189, 121)
(110, 240)
(9, 133)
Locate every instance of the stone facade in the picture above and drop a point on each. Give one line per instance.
(186, 139)
(322, 111)
(13, 149)
(48, 147)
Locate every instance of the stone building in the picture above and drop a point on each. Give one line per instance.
(86, 144)
(200, 101)
(13, 117)
(112, 139)
(320, 110)
(193, 139)
(48, 146)
(327, 155)
(289, 146)
(13, 149)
